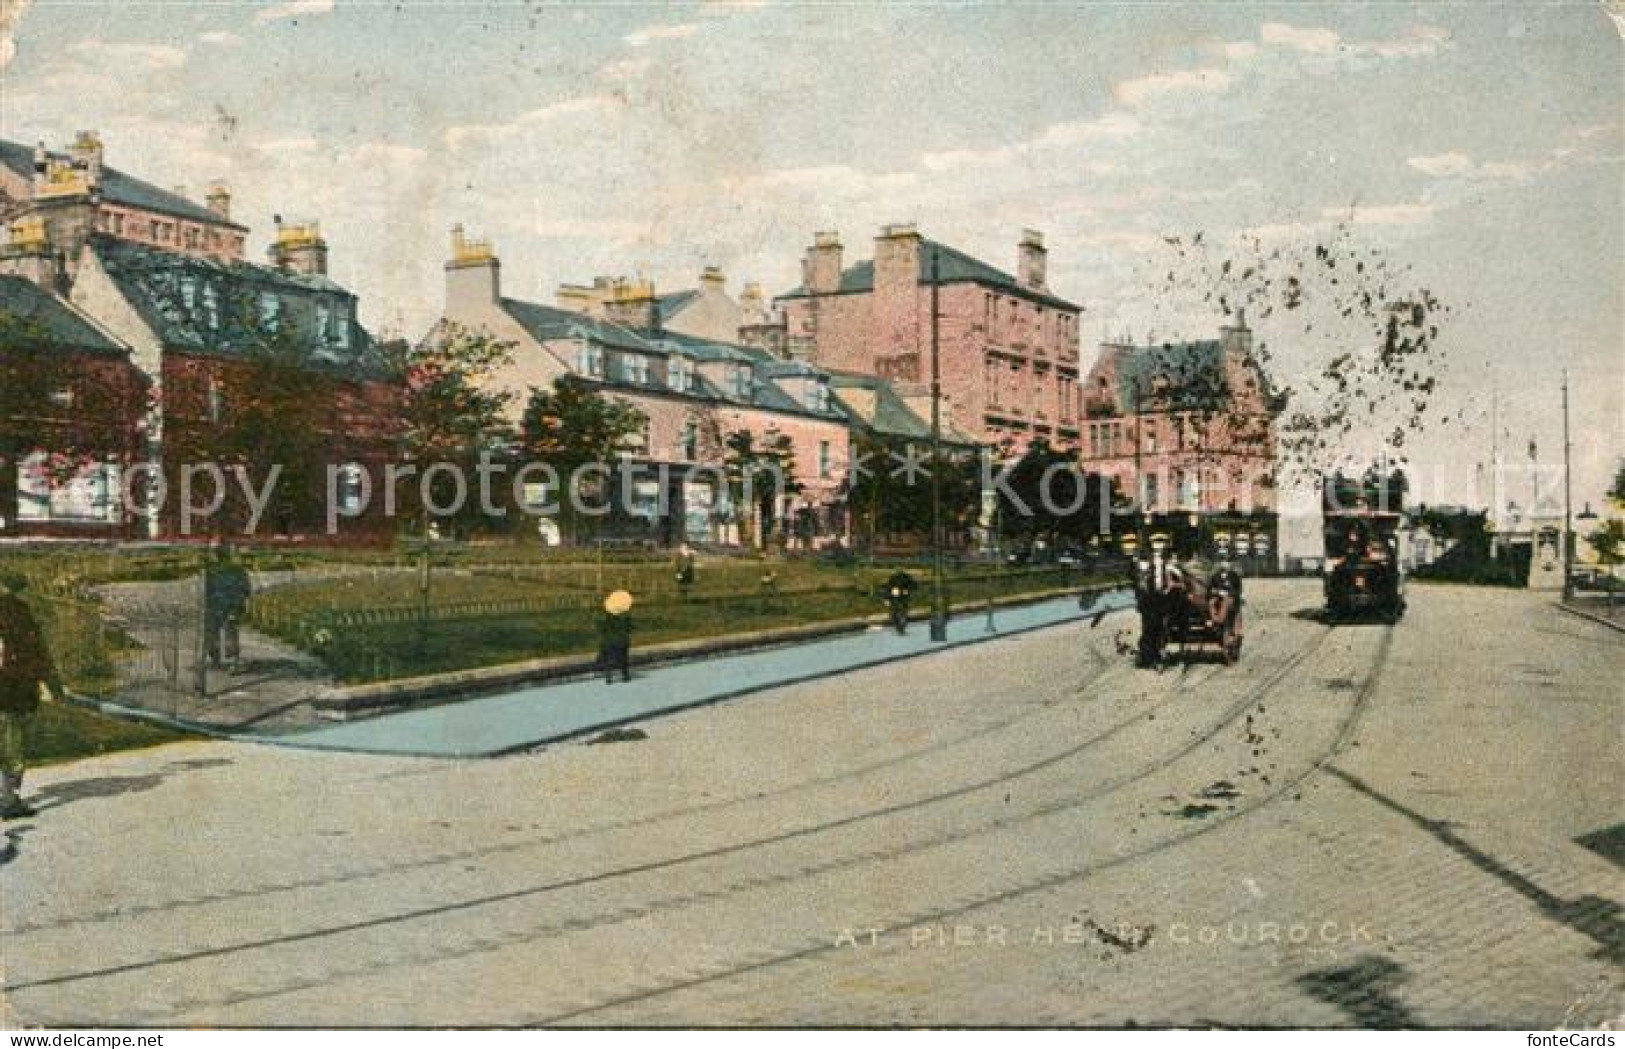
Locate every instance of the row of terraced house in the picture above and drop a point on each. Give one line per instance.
(146, 299)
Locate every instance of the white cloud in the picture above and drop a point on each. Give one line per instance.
(1116, 124)
(220, 38)
(1420, 42)
(592, 107)
(624, 70)
(1141, 90)
(299, 144)
(831, 178)
(292, 9)
(1384, 214)
(642, 37)
(11, 12)
(128, 57)
(1315, 41)
(1443, 165)
(1460, 165)
(728, 8)
(967, 159)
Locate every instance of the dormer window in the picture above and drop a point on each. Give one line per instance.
(270, 311)
(741, 382)
(590, 359)
(818, 396)
(211, 306)
(341, 327)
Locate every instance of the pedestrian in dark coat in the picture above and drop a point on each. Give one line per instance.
(615, 636)
(685, 571)
(25, 666)
(899, 591)
(226, 590)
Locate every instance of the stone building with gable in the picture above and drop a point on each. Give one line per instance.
(1189, 427)
(164, 280)
(694, 390)
(1008, 345)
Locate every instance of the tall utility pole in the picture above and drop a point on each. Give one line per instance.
(939, 595)
(1142, 507)
(1568, 524)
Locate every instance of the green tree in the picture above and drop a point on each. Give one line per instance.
(571, 426)
(1047, 498)
(1609, 541)
(452, 412)
(888, 499)
(759, 471)
(267, 413)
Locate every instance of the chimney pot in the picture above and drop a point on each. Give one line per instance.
(821, 267)
(1032, 261)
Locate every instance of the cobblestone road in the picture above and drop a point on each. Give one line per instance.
(1364, 825)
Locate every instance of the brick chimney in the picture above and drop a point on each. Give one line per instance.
(821, 269)
(299, 248)
(219, 200)
(897, 257)
(86, 154)
(631, 304)
(473, 276)
(753, 304)
(1033, 261)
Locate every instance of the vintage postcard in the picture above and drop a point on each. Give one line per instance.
(775, 513)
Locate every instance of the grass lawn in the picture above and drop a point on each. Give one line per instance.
(489, 604)
(63, 732)
(371, 631)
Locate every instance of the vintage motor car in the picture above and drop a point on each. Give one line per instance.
(1186, 607)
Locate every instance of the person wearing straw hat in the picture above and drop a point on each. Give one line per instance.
(615, 636)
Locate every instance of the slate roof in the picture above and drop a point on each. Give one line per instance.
(670, 305)
(178, 296)
(121, 188)
(545, 323)
(953, 267)
(1189, 375)
(61, 325)
(874, 404)
(549, 323)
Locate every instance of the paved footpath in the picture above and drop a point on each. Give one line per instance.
(1355, 826)
(530, 716)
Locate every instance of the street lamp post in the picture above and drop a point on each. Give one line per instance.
(1568, 523)
(939, 597)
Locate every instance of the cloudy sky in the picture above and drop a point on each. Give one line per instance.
(1479, 145)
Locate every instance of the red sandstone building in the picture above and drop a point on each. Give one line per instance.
(1189, 428)
(695, 393)
(1008, 346)
(162, 283)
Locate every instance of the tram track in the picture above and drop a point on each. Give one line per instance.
(1348, 723)
(847, 860)
(1099, 667)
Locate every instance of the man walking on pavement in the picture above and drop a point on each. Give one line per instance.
(25, 667)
